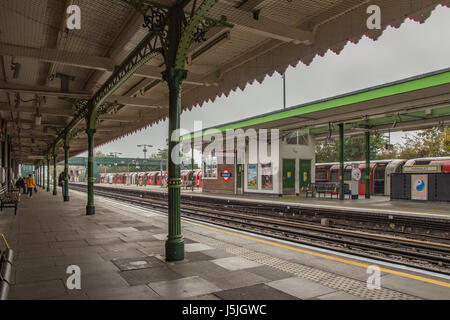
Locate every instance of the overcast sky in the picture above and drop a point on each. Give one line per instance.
(411, 50)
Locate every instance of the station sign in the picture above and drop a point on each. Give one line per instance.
(225, 175)
(430, 169)
(356, 174)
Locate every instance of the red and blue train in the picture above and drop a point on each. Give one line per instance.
(380, 172)
(152, 178)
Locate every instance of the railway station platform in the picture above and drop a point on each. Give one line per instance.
(376, 204)
(120, 252)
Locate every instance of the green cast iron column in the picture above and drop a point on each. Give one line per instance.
(367, 177)
(55, 192)
(192, 166)
(66, 172)
(43, 175)
(341, 161)
(175, 243)
(48, 173)
(90, 208)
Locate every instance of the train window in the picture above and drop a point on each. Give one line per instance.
(321, 174)
(422, 162)
(347, 174)
(334, 175)
(379, 173)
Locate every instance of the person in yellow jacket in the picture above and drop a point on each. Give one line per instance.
(30, 185)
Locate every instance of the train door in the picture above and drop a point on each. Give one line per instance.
(288, 176)
(362, 181)
(379, 177)
(305, 174)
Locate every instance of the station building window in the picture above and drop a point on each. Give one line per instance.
(210, 168)
(297, 137)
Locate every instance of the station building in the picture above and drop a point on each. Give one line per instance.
(288, 169)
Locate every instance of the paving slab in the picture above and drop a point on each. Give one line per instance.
(192, 247)
(128, 293)
(37, 290)
(300, 288)
(235, 263)
(138, 263)
(183, 288)
(145, 276)
(255, 292)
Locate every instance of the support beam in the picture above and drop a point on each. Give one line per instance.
(41, 90)
(265, 27)
(341, 161)
(60, 111)
(75, 59)
(367, 176)
(137, 102)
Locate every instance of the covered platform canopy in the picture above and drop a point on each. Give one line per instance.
(415, 103)
(103, 77)
(35, 36)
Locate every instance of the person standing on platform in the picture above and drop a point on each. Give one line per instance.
(30, 185)
(62, 179)
(20, 184)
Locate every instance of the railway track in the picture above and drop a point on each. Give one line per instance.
(428, 255)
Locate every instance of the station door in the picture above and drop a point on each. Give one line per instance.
(288, 176)
(239, 178)
(305, 174)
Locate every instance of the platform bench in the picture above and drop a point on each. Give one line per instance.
(9, 199)
(331, 188)
(6, 259)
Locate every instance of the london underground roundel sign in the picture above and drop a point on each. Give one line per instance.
(226, 175)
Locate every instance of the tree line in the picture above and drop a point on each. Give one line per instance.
(434, 142)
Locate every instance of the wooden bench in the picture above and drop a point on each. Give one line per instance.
(9, 199)
(6, 259)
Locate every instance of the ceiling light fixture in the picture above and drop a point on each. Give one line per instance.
(15, 67)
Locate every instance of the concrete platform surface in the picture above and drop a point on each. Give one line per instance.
(120, 254)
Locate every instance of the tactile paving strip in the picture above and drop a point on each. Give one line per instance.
(331, 280)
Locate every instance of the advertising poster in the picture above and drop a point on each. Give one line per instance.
(419, 187)
(252, 176)
(266, 176)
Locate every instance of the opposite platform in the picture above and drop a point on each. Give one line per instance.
(120, 252)
(376, 204)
